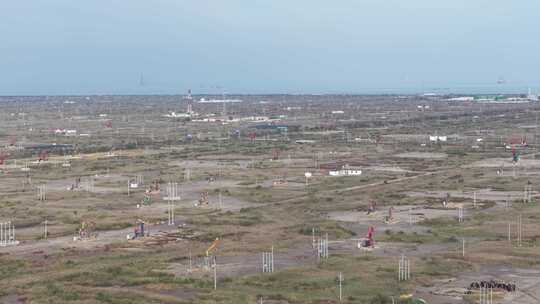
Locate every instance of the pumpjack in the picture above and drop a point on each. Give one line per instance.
(368, 241)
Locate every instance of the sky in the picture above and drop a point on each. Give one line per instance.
(267, 46)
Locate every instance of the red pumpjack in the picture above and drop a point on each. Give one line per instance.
(368, 239)
(43, 155)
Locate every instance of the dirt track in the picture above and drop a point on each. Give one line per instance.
(54, 244)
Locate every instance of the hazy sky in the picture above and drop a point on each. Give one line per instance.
(311, 46)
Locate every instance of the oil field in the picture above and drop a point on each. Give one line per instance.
(269, 199)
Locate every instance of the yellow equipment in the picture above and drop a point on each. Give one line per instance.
(411, 300)
(214, 245)
(406, 296)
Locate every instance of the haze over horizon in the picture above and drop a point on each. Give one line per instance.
(165, 47)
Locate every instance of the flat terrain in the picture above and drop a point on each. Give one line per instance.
(460, 211)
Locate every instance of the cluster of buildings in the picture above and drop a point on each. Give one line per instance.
(345, 172)
(497, 99)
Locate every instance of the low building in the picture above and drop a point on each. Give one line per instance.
(345, 172)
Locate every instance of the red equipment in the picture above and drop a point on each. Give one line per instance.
(43, 155)
(368, 239)
(275, 154)
(3, 157)
(370, 233)
(108, 124)
(139, 230)
(516, 140)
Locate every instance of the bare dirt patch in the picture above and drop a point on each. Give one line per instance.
(249, 264)
(422, 155)
(505, 163)
(451, 290)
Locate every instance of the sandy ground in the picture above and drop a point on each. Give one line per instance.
(481, 194)
(451, 290)
(250, 264)
(386, 249)
(197, 186)
(227, 203)
(505, 163)
(422, 155)
(415, 137)
(211, 164)
(55, 244)
(10, 185)
(190, 193)
(12, 299)
(359, 221)
(387, 169)
(65, 184)
(216, 164)
(289, 185)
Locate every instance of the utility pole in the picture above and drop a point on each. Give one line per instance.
(215, 274)
(187, 175)
(486, 295)
(220, 200)
(7, 234)
(90, 184)
(536, 129)
(268, 261)
(45, 232)
(322, 248)
(272, 261)
(313, 237)
(172, 196)
(520, 230)
(42, 192)
(190, 262)
(509, 235)
(404, 268)
(326, 245)
(340, 279)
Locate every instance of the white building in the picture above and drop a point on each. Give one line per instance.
(345, 172)
(462, 98)
(203, 100)
(531, 96)
(178, 115)
(438, 138)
